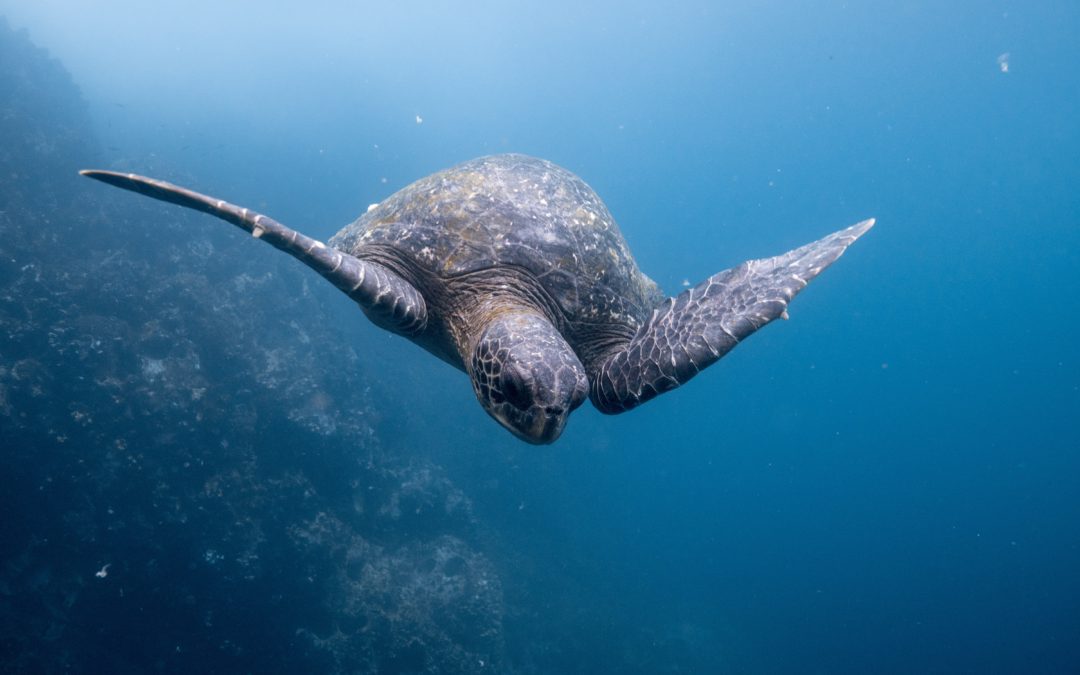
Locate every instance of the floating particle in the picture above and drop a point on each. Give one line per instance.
(1003, 62)
(103, 572)
(419, 120)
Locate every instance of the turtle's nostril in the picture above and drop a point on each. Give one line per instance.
(553, 410)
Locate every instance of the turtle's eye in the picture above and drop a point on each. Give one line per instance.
(513, 389)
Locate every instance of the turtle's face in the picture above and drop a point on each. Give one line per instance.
(527, 377)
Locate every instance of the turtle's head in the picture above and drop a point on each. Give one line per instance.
(527, 377)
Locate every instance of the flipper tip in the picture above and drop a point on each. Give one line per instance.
(111, 177)
(130, 181)
(96, 173)
(859, 229)
(847, 236)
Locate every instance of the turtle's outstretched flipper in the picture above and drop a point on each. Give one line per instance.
(693, 330)
(390, 301)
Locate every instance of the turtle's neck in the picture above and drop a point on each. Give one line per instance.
(485, 296)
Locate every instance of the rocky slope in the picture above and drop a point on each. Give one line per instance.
(192, 477)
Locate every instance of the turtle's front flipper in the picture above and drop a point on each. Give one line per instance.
(694, 329)
(387, 299)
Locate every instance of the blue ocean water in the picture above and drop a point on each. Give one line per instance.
(888, 482)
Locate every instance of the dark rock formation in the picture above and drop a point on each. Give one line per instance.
(192, 477)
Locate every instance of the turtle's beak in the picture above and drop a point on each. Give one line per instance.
(539, 426)
(547, 428)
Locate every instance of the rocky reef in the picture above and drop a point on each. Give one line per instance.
(193, 479)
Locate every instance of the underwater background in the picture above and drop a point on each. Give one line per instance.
(211, 461)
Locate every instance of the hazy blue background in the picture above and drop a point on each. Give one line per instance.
(890, 481)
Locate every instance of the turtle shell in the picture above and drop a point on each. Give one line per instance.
(513, 210)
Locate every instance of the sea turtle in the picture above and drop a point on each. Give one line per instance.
(511, 269)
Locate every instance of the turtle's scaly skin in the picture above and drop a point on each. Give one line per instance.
(512, 215)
